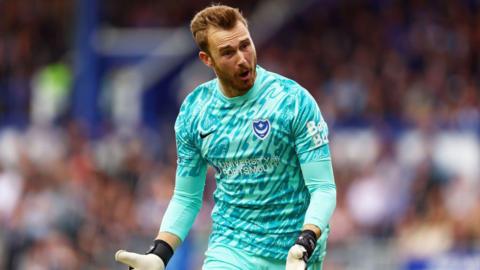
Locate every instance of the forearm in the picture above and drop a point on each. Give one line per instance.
(320, 182)
(183, 208)
(318, 177)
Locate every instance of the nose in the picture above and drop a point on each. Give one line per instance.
(242, 60)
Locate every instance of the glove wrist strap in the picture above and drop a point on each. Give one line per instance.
(162, 249)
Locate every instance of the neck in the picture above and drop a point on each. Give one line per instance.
(229, 91)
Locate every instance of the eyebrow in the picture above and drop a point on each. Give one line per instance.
(227, 47)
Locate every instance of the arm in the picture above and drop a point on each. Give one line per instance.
(184, 205)
(177, 222)
(320, 182)
(310, 133)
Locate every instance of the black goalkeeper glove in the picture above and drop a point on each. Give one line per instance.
(301, 251)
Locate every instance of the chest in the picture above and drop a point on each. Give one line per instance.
(247, 132)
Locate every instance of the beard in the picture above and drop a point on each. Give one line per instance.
(234, 81)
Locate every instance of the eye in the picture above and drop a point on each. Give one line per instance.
(227, 53)
(245, 45)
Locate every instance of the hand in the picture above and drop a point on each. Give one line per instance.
(301, 251)
(296, 258)
(140, 261)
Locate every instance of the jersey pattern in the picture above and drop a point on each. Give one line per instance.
(255, 143)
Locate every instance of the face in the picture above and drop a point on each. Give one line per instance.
(233, 58)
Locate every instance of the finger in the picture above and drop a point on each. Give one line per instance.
(128, 258)
(297, 251)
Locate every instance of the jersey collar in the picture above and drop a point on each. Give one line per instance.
(251, 94)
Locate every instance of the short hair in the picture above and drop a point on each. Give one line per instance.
(220, 16)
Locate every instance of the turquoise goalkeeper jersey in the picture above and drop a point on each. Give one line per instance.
(255, 143)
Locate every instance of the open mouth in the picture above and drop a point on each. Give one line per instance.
(244, 75)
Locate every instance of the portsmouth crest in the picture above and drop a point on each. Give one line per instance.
(261, 128)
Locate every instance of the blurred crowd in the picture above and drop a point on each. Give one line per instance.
(34, 35)
(389, 64)
(397, 81)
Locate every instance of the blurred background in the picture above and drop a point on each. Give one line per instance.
(89, 91)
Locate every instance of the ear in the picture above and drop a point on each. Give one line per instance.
(206, 59)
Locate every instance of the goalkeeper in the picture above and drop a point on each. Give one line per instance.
(266, 139)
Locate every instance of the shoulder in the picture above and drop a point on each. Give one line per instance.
(193, 104)
(201, 93)
(194, 101)
(289, 87)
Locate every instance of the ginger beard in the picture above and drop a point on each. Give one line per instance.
(240, 79)
(233, 58)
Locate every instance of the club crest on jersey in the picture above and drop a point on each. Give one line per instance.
(261, 128)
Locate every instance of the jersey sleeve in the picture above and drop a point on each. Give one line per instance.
(320, 182)
(190, 180)
(309, 129)
(189, 160)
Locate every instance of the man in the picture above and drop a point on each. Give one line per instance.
(266, 138)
